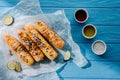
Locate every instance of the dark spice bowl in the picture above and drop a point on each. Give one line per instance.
(81, 15)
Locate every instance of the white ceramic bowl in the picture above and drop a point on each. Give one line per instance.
(87, 15)
(84, 33)
(99, 47)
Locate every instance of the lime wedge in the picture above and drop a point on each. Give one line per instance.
(11, 65)
(67, 55)
(8, 20)
(18, 67)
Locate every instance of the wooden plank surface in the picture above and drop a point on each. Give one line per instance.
(110, 33)
(105, 15)
(97, 16)
(97, 70)
(80, 3)
(112, 54)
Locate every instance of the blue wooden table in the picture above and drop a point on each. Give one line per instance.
(105, 15)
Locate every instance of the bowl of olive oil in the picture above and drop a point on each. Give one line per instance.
(89, 31)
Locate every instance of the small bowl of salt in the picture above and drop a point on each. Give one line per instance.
(99, 47)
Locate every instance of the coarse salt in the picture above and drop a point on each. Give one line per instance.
(99, 47)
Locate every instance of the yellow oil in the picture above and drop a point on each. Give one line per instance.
(89, 31)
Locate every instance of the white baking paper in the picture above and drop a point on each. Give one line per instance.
(27, 12)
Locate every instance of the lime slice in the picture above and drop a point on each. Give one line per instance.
(8, 20)
(67, 55)
(11, 65)
(18, 67)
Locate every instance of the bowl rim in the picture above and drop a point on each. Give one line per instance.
(101, 42)
(87, 36)
(85, 12)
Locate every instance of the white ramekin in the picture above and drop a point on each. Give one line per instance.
(99, 53)
(86, 13)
